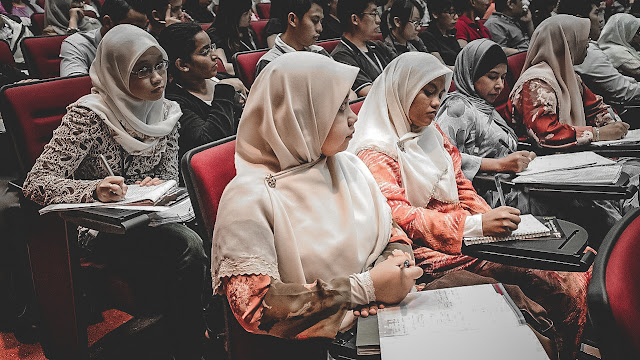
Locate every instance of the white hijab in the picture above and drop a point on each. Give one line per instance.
(292, 213)
(616, 36)
(136, 124)
(384, 125)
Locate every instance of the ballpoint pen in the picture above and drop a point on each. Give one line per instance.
(106, 165)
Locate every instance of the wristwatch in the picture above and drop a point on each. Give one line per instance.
(71, 30)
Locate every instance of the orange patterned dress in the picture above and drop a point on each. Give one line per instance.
(436, 231)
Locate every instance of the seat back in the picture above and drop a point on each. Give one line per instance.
(31, 111)
(37, 23)
(356, 104)
(205, 26)
(258, 27)
(264, 10)
(42, 55)
(516, 63)
(329, 45)
(6, 57)
(245, 63)
(614, 293)
(207, 170)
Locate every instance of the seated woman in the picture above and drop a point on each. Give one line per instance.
(419, 172)
(548, 79)
(405, 20)
(485, 141)
(231, 31)
(618, 36)
(22, 9)
(63, 17)
(127, 120)
(208, 106)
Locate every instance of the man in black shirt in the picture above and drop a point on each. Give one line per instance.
(440, 36)
(361, 21)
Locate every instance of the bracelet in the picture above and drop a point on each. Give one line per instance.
(597, 129)
(71, 30)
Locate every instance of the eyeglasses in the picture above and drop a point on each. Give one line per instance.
(451, 12)
(206, 51)
(416, 23)
(374, 14)
(146, 71)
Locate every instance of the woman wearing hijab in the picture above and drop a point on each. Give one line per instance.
(63, 17)
(550, 100)
(419, 172)
(127, 119)
(467, 116)
(317, 221)
(616, 39)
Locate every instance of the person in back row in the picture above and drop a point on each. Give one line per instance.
(440, 35)
(619, 40)
(79, 50)
(404, 26)
(361, 22)
(65, 17)
(162, 13)
(510, 25)
(304, 25)
(331, 26)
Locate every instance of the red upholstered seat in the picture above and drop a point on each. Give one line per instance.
(329, 45)
(6, 57)
(516, 62)
(37, 22)
(258, 27)
(31, 111)
(42, 55)
(245, 65)
(356, 104)
(264, 10)
(205, 26)
(614, 292)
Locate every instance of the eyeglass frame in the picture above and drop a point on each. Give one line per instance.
(416, 23)
(374, 14)
(161, 66)
(211, 49)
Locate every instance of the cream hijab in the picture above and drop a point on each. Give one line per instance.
(558, 43)
(292, 213)
(136, 124)
(615, 38)
(56, 14)
(384, 125)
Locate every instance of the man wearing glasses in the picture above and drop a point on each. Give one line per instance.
(510, 25)
(361, 21)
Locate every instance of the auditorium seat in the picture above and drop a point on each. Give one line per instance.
(258, 27)
(245, 63)
(42, 55)
(264, 10)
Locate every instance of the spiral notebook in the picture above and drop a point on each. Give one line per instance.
(529, 228)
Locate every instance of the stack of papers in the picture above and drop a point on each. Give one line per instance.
(584, 167)
(181, 211)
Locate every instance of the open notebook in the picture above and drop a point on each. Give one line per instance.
(144, 196)
(529, 228)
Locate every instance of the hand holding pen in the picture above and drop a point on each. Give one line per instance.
(111, 188)
(516, 161)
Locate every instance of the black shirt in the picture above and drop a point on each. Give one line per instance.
(371, 64)
(447, 46)
(246, 42)
(331, 28)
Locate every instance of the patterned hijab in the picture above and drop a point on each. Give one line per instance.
(616, 37)
(384, 125)
(136, 124)
(56, 14)
(557, 44)
(292, 213)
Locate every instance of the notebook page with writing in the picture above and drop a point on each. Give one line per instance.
(609, 174)
(529, 228)
(542, 164)
(136, 193)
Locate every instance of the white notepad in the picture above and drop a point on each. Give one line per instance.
(529, 228)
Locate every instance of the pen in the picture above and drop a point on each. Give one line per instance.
(106, 165)
(496, 178)
(504, 143)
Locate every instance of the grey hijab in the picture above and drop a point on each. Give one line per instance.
(57, 15)
(464, 73)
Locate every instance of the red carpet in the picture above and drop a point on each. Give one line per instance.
(11, 349)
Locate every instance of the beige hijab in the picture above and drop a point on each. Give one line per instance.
(616, 37)
(56, 14)
(558, 43)
(384, 125)
(136, 124)
(292, 213)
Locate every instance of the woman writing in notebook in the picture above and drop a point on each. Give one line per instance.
(127, 119)
(419, 172)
